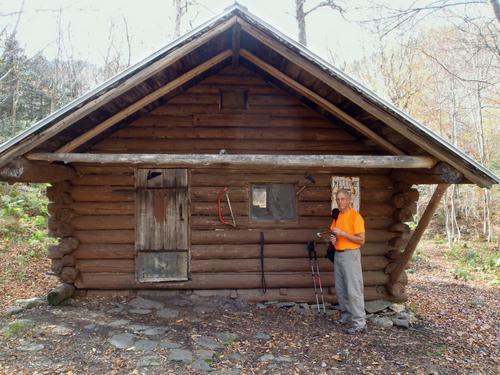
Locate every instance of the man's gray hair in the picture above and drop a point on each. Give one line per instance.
(346, 192)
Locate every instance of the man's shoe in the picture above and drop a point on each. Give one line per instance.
(341, 322)
(355, 330)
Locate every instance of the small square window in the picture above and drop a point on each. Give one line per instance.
(273, 202)
(234, 100)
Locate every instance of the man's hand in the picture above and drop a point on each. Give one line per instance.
(333, 239)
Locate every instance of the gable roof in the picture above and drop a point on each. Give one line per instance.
(237, 34)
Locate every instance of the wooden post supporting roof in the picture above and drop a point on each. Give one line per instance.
(289, 161)
(22, 170)
(393, 286)
(327, 105)
(148, 99)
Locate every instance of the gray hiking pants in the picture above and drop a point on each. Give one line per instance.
(349, 286)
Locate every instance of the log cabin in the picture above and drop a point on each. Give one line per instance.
(206, 167)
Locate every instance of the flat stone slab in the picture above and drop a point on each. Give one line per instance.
(208, 342)
(204, 354)
(227, 372)
(140, 311)
(138, 327)
(122, 340)
(181, 355)
(118, 323)
(149, 361)
(30, 347)
(383, 322)
(165, 344)
(226, 337)
(143, 303)
(146, 345)
(12, 310)
(376, 306)
(283, 358)
(32, 302)
(168, 313)
(266, 357)
(62, 330)
(155, 331)
(262, 336)
(201, 365)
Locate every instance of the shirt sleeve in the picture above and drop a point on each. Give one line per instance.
(359, 224)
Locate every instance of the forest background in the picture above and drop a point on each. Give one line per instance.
(437, 60)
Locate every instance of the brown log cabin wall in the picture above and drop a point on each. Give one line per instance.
(100, 203)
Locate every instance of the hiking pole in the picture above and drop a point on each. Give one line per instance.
(319, 279)
(310, 249)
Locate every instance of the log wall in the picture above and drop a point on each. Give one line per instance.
(97, 207)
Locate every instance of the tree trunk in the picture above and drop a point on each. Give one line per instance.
(300, 16)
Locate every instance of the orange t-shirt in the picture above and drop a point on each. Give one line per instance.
(351, 222)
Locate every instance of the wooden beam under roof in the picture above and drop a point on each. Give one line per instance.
(327, 105)
(146, 100)
(245, 160)
(34, 140)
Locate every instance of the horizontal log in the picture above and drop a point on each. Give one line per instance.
(369, 263)
(221, 281)
(390, 267)
(399, 227)
(56, 266)
(257, 133)
(195, 109)
(246, 251)
(405, 214)
(104, 179)
(68, 275)
(105, 170)
(251, 120)
(318, 209)
(61, 214)
(102, 194)
(236, 236)
(200, 177)
(105, 236)
(22, 170)
(59, 198)
(243, 222)
(104, 208)
(59, 187)
(441, 173)
(207, 88)
(65, 246)
(403, 199)
(394, 254)
(296, 161)
(60, 294)
(105, 251)
(101, 222)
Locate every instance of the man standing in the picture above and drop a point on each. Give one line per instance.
(348, 234)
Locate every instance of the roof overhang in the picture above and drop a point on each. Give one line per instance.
(240, 27)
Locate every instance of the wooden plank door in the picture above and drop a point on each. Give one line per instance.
(162, 252)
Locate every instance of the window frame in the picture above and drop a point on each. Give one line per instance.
(253, 220)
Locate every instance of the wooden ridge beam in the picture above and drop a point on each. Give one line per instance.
(22, 170)
(236, 40)
(216, 160)
(415, 238)
(34, 140)
(146, 100)
(330, 107)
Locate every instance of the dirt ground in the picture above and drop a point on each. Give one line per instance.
(457, 333)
